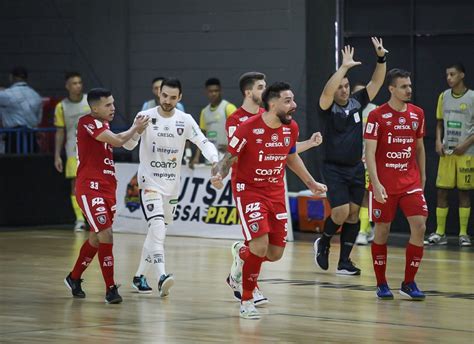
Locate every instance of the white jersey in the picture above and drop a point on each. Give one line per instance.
(162, 147)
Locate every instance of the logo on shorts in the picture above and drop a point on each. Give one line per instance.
(102, 219)
(377, 213)
(150, 207)
(254, 227)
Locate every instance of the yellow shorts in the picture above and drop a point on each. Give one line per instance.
(456, 171)
(71, 167)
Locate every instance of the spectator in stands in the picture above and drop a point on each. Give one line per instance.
(213, 118)
(155, 88)
(20, 105)
(66, 115)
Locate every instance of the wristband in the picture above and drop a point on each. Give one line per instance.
(382, 59)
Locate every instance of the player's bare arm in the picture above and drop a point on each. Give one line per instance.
(295, 163)
(421, 160)
(439, 137)
(378, 77)
(315, 140)
(464, 146)
(327, 97)
(118, 140)
(378, 189)
(58, 145)
(220, 170)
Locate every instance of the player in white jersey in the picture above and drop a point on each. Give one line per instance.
(66, 115)
(161, 152)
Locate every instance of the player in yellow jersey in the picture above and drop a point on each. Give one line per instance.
(66, 116)
(454, 144)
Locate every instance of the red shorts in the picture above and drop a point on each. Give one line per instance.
(99, 211)
(412, 203)
(260, 216)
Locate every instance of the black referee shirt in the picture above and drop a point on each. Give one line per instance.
(343, 134)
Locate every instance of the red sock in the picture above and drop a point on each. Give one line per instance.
(413, 260)
(250, 272)
(86, 254)
(106, 260)
(379, 258)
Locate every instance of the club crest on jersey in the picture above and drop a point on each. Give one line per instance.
(153, 121)
(180, 131)
(150, 207)
(377, 213)
(102, 219)
(254, 227)
(286, 140)
(414, 125)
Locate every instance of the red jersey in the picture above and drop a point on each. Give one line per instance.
(232, 123)
(262, 153)
(396, 134)
(95, 171)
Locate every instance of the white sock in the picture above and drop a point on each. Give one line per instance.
(154, 244)
(145, 262)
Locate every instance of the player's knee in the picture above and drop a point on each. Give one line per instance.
(259, 249)
(274, 256)
(106, 236)
(339, 215)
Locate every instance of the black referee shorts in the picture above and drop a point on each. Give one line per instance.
(345, 183)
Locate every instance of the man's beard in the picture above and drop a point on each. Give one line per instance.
(167, 108)
(282, 117)
(257, 100)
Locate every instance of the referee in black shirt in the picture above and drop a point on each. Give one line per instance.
(343, 170)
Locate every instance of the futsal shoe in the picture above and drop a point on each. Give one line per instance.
(362, 239)
(165, 284)
(140, 284)
(112, 296)
(347, 268)
(411, 291)
(236, 287)
(248, 310)
(464, 241)
(237, 263)
(321, 254)
(436, 239)
(79, 226)
(74, 285)
(258, 298)
(383, 292)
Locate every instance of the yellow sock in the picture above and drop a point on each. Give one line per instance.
(441, 215)
(364, 219)
(77, 209)
(463, 220)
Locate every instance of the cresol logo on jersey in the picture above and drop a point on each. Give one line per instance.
(200, 202)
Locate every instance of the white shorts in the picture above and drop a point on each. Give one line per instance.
(155, 204)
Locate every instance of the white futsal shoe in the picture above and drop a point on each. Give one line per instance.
(248, 310)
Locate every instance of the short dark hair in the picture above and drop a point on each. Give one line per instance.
(458, 66)
(173, 83)
(71, 74)
(247, 80)
(394, 74)
(19, 72)
(95, 94)
(273, 91)
(158, 78)
(212, 82)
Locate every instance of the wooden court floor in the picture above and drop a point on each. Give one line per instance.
(306, 305)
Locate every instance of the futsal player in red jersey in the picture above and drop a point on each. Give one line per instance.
(395, 157)
(252, 85)
(95, 188)
(264, 145)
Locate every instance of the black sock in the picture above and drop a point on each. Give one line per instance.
(348, 237)
(330, 228)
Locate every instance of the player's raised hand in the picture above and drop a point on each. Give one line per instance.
(378, 45)
(380, 194)
(216, 181)
(141, 122)
(348, 57)
(316, 139)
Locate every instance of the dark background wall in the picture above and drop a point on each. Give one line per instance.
(123, 44)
